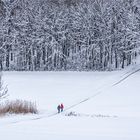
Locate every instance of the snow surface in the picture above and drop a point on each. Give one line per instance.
(111, 113)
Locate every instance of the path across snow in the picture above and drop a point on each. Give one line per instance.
(113, 115)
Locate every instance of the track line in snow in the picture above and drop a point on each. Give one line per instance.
(132, 73)
(100, 92)
(84, 100)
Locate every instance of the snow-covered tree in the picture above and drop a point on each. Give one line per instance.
(68, 34)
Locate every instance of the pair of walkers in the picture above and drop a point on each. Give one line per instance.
(60, 108)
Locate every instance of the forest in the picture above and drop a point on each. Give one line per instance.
(68, 35)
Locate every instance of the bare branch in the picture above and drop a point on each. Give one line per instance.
(3, 89)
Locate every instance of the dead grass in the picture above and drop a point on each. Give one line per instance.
(18, 107)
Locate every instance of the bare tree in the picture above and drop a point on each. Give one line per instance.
(3, 89)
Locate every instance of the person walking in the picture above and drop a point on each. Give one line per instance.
(58, 108)
(62, 107)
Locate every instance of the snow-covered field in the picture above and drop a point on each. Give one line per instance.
(109, 113)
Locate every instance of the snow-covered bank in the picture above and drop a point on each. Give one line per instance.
(112, 115)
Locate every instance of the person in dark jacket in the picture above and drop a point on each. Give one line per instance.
(62, 107)
(58, 108)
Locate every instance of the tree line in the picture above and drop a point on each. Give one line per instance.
(81, 35)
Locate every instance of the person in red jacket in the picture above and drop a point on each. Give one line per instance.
(62, 107)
